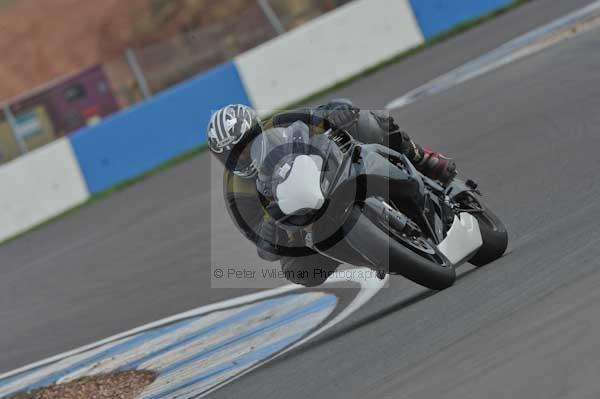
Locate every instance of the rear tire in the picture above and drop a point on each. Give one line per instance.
(375, 244)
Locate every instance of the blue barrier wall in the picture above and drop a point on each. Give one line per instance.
(437, 16)
(150, 133)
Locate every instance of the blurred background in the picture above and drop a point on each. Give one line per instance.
(77, 62)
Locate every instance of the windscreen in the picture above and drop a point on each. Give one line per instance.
(274, 152)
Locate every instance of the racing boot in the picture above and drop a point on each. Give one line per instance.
(436, 166)
(432, 164)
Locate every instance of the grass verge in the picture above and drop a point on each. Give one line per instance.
(460, 28)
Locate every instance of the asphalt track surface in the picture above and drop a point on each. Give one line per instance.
(526, 326)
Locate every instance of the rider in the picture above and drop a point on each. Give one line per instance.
(230, 133)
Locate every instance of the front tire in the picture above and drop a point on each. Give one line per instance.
(376, 244)
(493, 233)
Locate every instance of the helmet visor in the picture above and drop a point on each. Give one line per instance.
(240, 162)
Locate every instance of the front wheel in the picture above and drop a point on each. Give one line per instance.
(493, 233)
(415, 258)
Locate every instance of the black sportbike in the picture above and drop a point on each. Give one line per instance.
(367, 205)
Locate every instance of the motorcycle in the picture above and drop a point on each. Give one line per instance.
(367, 205)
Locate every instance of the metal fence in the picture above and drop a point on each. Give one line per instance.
(64, 106)
(171, 61)
(176, 59)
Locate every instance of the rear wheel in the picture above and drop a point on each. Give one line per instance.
(415, 258)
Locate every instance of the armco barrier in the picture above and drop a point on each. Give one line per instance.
(154, 131)
(39, 185)
(437, 16)
(326, 50)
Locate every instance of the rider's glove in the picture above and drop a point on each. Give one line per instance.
(340, 113)
(266, 245)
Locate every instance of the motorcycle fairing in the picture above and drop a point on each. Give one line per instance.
(463, 239)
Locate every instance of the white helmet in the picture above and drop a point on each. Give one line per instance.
(230, 133)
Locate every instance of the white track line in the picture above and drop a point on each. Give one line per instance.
(156, 345)
(523, 46)
(186, 315)
(230, 356)
(368, 288)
